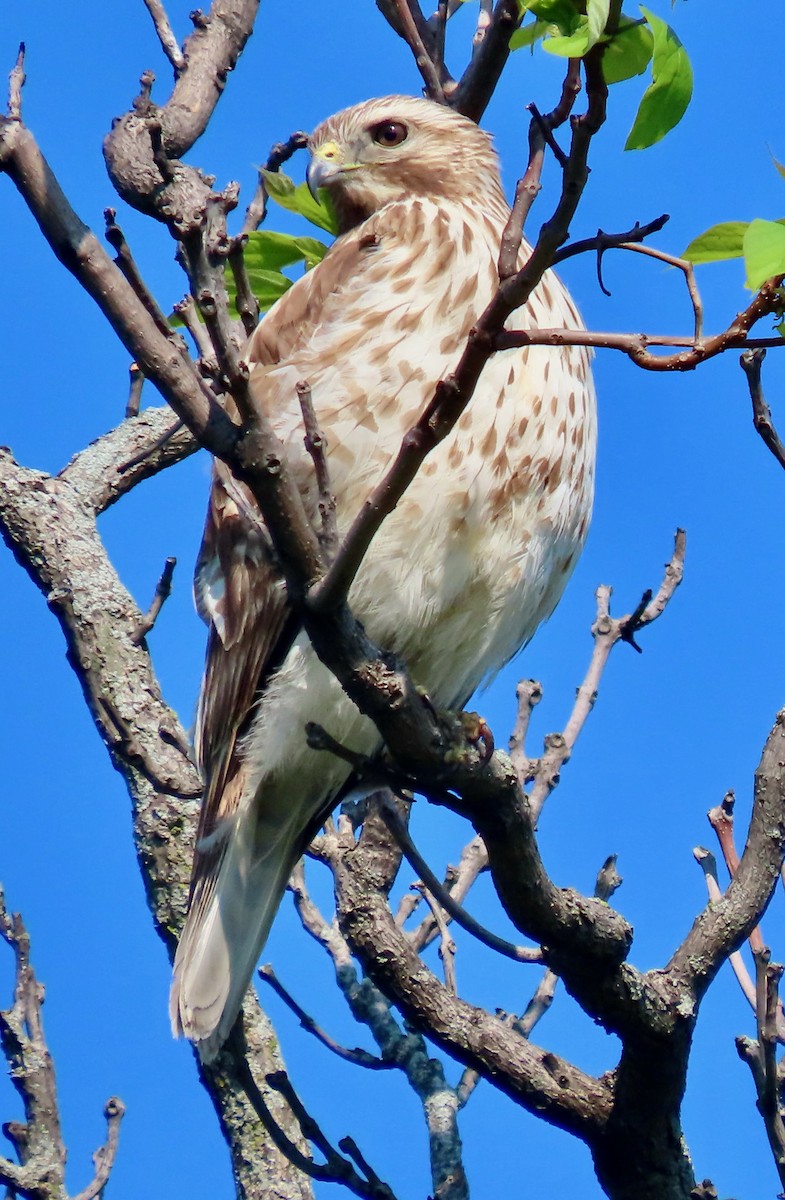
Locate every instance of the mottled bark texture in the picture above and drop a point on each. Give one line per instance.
(629, 1117)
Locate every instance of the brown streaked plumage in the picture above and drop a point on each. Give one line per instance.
(474, 557)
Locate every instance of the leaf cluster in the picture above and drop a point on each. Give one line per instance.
(569, 30)
(761, 244)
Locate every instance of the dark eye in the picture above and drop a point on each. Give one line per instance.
(389, 133)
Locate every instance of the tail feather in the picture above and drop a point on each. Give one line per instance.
(224, 935)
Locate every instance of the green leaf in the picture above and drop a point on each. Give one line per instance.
(725, 240)
(573, 45)
(722, 241)
(665, 101)
(272, 250)
(527, 35)
(312, 250)
(764, 252)
(268, 286)
(297, 198)
(597, 16)
(553, 12)
(628, 52)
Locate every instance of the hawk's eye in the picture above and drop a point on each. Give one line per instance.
(389, 133)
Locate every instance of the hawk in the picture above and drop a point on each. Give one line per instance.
(459, 576)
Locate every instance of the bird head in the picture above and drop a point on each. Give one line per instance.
(390, 149)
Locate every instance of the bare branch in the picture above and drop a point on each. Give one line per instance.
(447, 948)
(606, 631)
(708, 864)
(722, 822)
(137, 449)
(163, 590)
(459, 881)
(721, 928)
(247, 304)
(528, 693)
(127, 264)
(524, 954)
(751, 363)
(489, 55)
(768, 301)
(406, 18)
(136, 383)
(186, 309)
(16, 82)
(483, 1042)
(279, 154)
(105, 1156)
(760, 1056)
(39, 1141)
(169, 43)
(358, 1057)
(404, 1048)
(335, 1169)
(316, 446)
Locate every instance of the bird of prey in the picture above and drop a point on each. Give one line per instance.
(460, 575)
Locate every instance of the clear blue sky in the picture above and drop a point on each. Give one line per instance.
(673, 729)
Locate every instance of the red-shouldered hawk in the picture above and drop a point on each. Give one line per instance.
(460, 575)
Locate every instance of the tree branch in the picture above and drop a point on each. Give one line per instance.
(722, 928)
(169, 43)
(751, 363)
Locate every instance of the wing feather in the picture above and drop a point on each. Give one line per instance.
(238, 588)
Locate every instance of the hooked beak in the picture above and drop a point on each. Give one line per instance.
(327, 161)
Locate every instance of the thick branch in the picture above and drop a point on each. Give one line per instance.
(480, 78)
(210, 53)
(538, 1080)
(52, 533)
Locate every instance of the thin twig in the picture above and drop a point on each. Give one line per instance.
(336, 1169)
(528, 187)
(127, 264)
(151, 450)
(546, 129)
(280, 153)
(413, 27)
(16, 81)
(104, 1157)
(683, 265)
(528, 693)
(768, 301)
(751, 363)
(447, 947)
(722, 822)
(188, 313)
(606, 631)
(438, 26)
(316, 445)
(628, 240)
(459, 882)
(169, 43)
(358, 1057)
(163, 590)
(523, 954)
(38, 1141)
(245, 300)
(708, 864)
(136, 383)
(760, 1056)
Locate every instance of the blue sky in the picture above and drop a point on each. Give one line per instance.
(674, 727)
